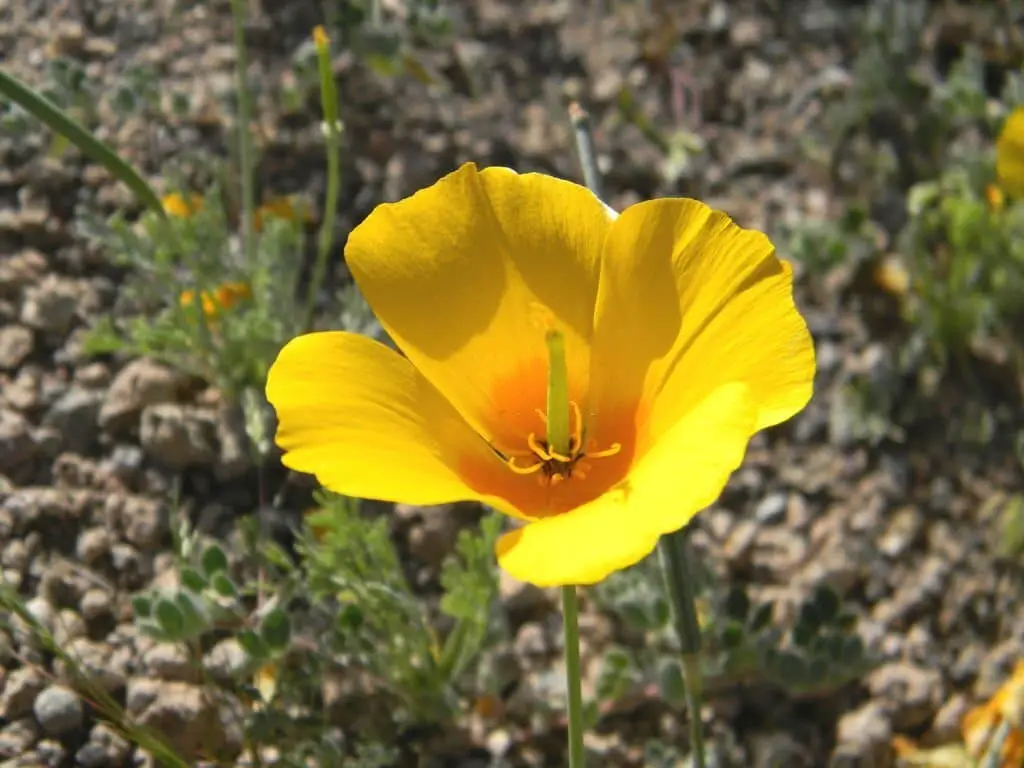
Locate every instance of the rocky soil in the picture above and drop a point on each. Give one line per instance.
(97, 453)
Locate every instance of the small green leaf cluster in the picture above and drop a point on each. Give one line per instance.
(376, 623)
(743, 641)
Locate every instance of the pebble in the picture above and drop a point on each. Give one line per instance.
(139, 384)
(177, 436)
(16, 343)
(58, 711)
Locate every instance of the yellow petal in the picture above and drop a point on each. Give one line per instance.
(467, 274)
(358, 416)
(681, 475)
(689, 301)
(1010, 154)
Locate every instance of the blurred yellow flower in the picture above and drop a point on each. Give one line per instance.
(995, 198)
(180, 206)
(320, 38)
(981, 723)
(223, 297)
(289, 208)
(1010, 154)
(892, 276)
(681, 341)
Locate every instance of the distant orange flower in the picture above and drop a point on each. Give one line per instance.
(320, 38)
(223, 297)
(180, 206)
(289, 208)
(996, 198)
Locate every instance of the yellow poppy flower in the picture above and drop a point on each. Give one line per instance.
(180, 206)
(223, 297)
(681, 340)
(1010, 154)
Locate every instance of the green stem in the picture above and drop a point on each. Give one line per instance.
(245, 161)
(332, 139)
(677, 568)
(580, 120)
(570, 612)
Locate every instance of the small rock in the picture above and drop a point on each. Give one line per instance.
(226, 661)
(49, 754)
(863, 735)
(75, 415)
(169, 661)
(132, 568)
(771, 508)
(93, 545)
(16, 442)
(179, 437)
(16, 343)
(19, 691)
(191, 718)
(431, 540)
(58, 711)
(50, 305)
(93, 376)
(521, 601)
(144, 521)
(97, 660)
(909, 693)
(105, 749)
(96, 604)
(17, 738)
(532, 643)
(69, 626)
(139, 384)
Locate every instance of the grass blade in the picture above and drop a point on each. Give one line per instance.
(56, 119)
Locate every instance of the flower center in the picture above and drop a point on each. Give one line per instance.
(553, 467)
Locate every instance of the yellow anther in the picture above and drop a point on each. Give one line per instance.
(511, 461)
(610, 451)
(538, 448)
(576, 442)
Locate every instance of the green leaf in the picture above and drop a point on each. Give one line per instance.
(214, 560)
(142, 606)
(826, 603)
(194, 620)
(55, 118)
(169, 618)
(193, 580)
(276, 630)
(671, 684)
(737, 604)
(223, 585)
(762, 616)
(732, 635)
(350, 620)
(253, 645)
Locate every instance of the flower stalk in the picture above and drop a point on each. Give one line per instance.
(677, 569)
(332, 140)
(558, 440)
(245, 153)
(674, 547)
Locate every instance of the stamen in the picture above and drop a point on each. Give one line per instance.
(511, 461)
(610, 451)
(576, 442)
(557, 478)
(560, 457)
(538, 448)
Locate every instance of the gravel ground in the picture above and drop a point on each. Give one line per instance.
(92, 450)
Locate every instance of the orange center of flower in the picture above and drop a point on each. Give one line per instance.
(554, 467)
